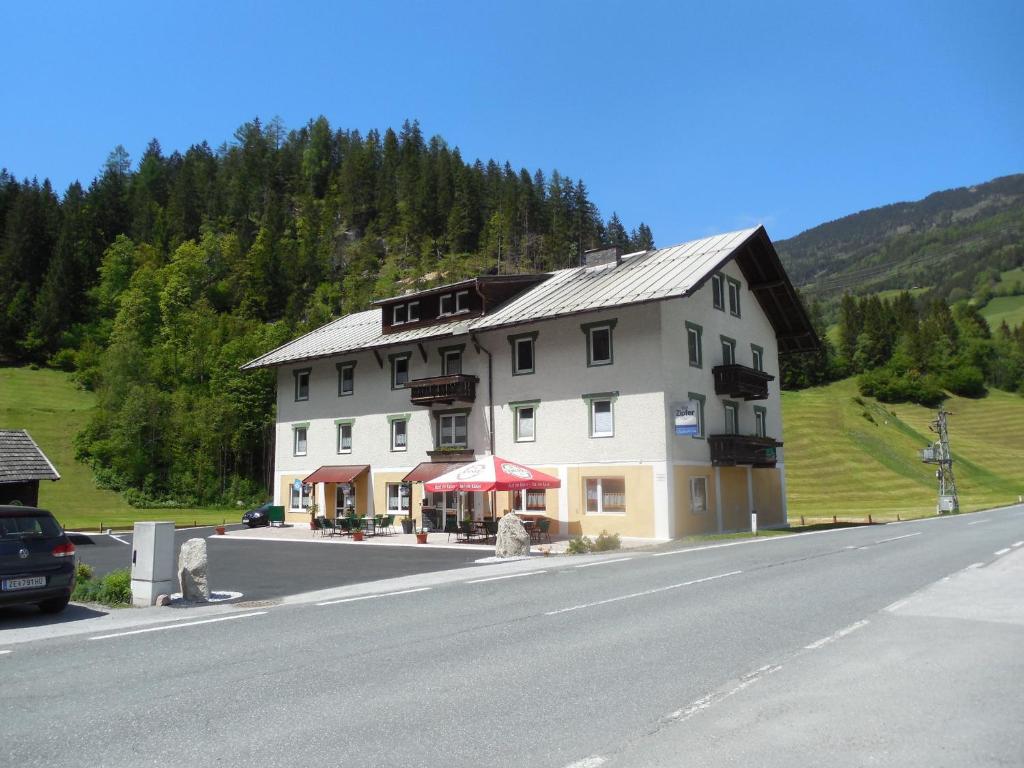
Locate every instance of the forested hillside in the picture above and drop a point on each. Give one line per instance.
(156, 280)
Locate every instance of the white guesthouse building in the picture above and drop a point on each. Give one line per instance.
(579, 373)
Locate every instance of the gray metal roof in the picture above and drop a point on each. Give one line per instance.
(647, 276)
(21, 459)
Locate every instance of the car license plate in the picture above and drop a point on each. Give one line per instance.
(10, 585)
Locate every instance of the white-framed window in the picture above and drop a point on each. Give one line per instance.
(757, 357)
(760, 422)
(525, 423)
(693, 345)
(602, 418)
(299, 498)
(523, 354)
(461, 301)
(452, 430)
(451, 362)
(699, 399)
(399, 498)
(734, 297)
(446, 305)
(299, 435)
(718, 291)
(302, 384)
(728, 351)
(529, 501)
(732, 421)
(605, 495)
(413, 313)
(698, 495)
(399, 314)
(399, 371)
(344, 437)
(346, 379)
(399, 434)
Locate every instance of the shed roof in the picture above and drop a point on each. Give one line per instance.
(21, 459)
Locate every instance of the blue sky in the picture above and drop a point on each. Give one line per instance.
(693, 117)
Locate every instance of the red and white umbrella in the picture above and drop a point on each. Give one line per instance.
(492, 473)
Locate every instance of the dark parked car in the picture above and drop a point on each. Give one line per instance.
(37, 560)
(259, 516)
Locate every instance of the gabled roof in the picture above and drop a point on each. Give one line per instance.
(648, 276)
(21, 459)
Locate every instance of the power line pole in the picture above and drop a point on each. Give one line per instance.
(940, 455)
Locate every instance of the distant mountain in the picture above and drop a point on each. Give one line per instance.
(944, 242)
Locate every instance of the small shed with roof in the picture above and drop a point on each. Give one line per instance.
(22, 466)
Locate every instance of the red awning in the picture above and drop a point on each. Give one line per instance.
(337, 474)
(428, 470)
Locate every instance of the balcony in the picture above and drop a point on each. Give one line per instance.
(443, 389)
(739, 381)
(742, 450)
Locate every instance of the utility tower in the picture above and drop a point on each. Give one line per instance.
(939, 454)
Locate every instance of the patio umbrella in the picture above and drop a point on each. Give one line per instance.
(492, 473)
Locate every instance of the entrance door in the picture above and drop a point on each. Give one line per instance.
(344, 500)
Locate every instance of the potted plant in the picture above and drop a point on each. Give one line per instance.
(314, 509)
(421, 537)
(408, 524)
(357, 529)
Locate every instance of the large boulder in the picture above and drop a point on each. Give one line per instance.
(192, 571)
(512, 539)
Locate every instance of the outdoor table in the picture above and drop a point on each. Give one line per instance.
(369, 525)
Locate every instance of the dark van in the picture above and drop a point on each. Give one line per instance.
(37, 560)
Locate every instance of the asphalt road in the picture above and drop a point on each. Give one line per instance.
(842, 648)
(263, 570)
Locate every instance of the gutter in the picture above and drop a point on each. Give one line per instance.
(490, 385)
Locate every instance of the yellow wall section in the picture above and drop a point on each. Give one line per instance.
(639, 518)
(688, 523)
(735, 510)
(768, 497)
(504, 501)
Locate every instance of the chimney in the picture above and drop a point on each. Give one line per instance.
(604, 255)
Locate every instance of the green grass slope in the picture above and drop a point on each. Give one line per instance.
(53, 410)
(1008, 308)
(850, 456)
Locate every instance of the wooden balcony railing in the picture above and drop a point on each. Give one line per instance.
(742, 450)
(739, 381)
(443, 389)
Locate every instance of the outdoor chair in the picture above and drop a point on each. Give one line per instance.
(543, 528)
(321, 525)
(450, 527)
(491, 526)
(389, 524)
(343, 526)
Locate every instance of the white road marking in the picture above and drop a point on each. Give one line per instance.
(969, 567)
(836, 635)
(1017, 544)
(118, 538)
(978, 522)
(588, 762)
(510, 576)
(179, 626)
(705, 702)
(897, 538)
(605, 562)
(641, 594)
(763, 540)
(3, 652)
(1002, 552)
(895, 606)
(371, 597)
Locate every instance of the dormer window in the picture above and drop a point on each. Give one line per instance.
(447, 305)
(414, 312)
(398, 314)
(462, 301)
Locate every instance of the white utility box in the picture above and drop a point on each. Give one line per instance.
(152, 562)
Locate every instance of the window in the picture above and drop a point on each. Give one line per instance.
(602, 422)
(606, 495)
(693, 332)
(299, 432)
(734, 297)
(525, 421)
(452, 430)
(529, 501)
(698, 495)
(446, 304)
(302, 384)
(462, 301)
(732, 423)
(300, 497)
(760, 421)
(523, 357)
(398, 314)
(414, 311)
(346, 379)
(757, 357)
(599, 342)
(718, 292)
(344, 435)
(399, 370)
(451, 361)
(699, 399)
(399, 498)
(399, 433)
(728, 350)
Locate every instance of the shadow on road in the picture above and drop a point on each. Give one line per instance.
(21, 616)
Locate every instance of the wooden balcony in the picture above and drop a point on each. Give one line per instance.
(739, 381)
(444, 390)
(742, 450)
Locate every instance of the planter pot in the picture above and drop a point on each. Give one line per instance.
(219, 530)
(408, 526)
(357, 536)
(421, 538)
